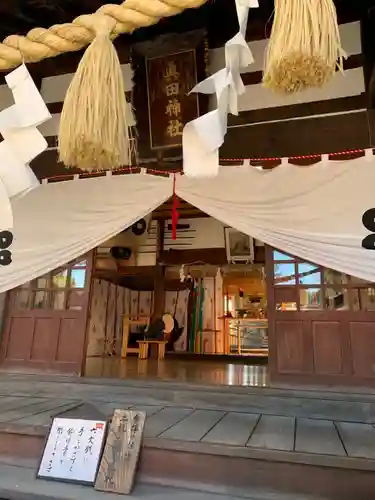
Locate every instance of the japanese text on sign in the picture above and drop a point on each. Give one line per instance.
(169, 80)
(73, 450)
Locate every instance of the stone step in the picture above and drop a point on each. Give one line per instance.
(19, 483)
(341, 406)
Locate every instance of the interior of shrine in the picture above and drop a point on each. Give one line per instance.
(208, 285)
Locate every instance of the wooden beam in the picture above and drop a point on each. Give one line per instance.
(213, 256)
(304, 136)
(185, 214)
(306, 109)
(125, 271)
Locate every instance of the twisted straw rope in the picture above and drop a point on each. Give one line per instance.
(41, 43)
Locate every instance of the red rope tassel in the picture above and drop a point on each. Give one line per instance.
(175, 206)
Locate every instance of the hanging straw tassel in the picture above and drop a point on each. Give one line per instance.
(94, 132)
(304, 48)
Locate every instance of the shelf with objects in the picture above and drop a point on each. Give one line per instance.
(245, 311)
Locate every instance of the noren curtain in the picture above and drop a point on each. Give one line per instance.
(312, 212)
(61, 221)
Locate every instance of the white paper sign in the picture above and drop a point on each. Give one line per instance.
(73, 450)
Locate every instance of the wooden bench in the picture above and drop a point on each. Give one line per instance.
(144, 344)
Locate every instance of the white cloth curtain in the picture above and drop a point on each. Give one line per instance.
(312, 212)
(61, 221)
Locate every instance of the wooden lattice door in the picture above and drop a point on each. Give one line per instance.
(45, 321)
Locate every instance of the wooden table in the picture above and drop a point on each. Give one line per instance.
(143, 348)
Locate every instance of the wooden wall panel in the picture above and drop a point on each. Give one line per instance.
(306, 136)
(98, 317)
(327, 345)
(362, 338)
(66, 338)
(41, 343)
(21, 340)
(290, 346)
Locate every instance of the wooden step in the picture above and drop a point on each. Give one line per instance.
(228, 469)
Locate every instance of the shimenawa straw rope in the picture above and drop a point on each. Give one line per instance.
(41, 43)
(304, 48)
(94, 132)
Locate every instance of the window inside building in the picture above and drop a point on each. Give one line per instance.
(303, 286)
(62, 289)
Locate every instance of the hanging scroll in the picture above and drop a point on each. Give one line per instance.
(73, 450)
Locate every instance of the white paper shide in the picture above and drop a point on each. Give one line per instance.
(203, 136)
(22, 141)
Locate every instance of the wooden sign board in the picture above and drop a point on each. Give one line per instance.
(170, 78)
(73, 450)
(119, 462)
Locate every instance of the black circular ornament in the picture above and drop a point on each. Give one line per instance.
(6, 239)
(369, 242)
(123, 253)
(139, 227)
(368, 219)
(5, 257)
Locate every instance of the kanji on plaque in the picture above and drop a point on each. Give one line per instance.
(173, 108)
(169, 81)
(171, 72)
(172, 89)
(73, 450)
(174, 128)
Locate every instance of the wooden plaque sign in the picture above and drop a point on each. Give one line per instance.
(119, 462)
(73, 450)
(169, 80)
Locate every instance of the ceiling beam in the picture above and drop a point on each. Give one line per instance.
(194, 213)
(213, 256)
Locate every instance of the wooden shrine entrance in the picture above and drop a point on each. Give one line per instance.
(46, 321)
(321, 324)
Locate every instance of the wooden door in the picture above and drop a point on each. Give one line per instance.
(45, 321)
(321, 323)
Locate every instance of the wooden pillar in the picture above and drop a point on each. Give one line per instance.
(159, 276)
(271, 306)
(159, 292)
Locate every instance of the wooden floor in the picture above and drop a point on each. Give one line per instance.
(205, 371)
